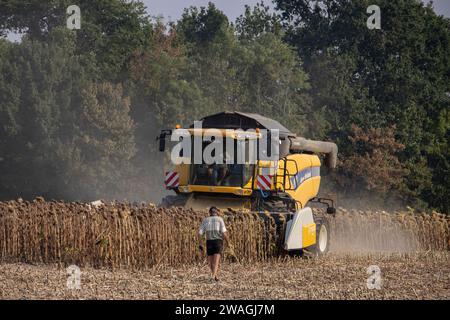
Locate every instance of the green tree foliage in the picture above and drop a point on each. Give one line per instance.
(110, 29)
(162, 96)
(210, 45)
(398, 75)
(373, 167)
(257, 21)
(33, 17)
(59, 131)
(105, 139)
(253, 72)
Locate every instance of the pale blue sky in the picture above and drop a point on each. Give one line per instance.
(173, 9)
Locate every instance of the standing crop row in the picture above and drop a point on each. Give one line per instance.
(141, 236)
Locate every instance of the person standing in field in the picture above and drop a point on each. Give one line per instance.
(213, 227)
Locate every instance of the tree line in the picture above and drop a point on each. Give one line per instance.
(80, 109)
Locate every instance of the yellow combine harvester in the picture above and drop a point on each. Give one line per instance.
(283, 185)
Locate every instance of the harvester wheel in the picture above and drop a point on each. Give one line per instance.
(322, 244)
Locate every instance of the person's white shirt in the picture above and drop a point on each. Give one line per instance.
(213, 227)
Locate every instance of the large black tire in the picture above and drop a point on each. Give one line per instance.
(323, 232)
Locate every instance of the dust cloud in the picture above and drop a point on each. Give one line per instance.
(356, 231)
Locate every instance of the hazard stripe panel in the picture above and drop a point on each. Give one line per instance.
(264, 182)
(172, 179)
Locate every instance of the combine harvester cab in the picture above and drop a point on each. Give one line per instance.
(281, 186)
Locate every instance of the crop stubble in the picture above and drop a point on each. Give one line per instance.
(336, 276)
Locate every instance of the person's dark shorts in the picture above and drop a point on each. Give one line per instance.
(214, 247)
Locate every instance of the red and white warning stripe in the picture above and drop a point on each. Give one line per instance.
(264, 182)
(172, 179)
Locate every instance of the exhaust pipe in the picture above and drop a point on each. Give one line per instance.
(330, 149)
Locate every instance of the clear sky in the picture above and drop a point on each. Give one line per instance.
(172, 9)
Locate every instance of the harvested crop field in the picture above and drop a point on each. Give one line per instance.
(410, 276)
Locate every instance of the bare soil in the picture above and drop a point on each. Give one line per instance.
(336, 276)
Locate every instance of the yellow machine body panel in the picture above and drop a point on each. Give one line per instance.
(308, 235)
(183, 170)
(246, 191)
(204, 201)
(302, 177)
